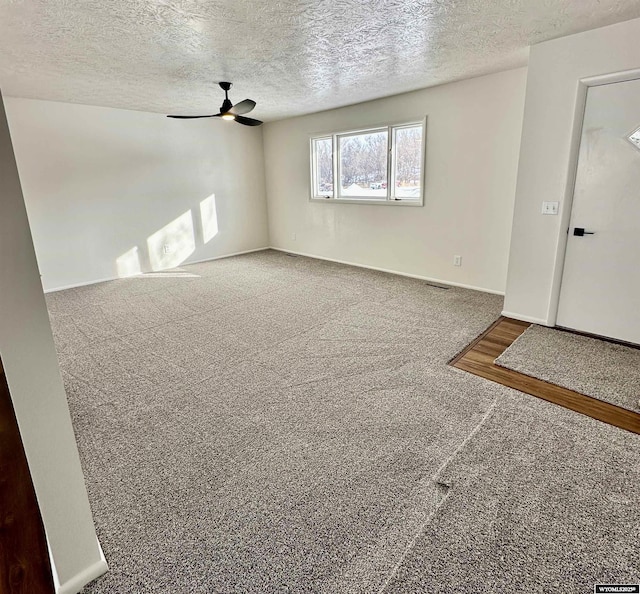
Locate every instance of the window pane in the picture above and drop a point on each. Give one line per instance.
(323, 167)
(363, 165)
(408, 162)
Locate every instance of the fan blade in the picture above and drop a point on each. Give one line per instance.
(243, 107)
(247, 121)
(193, 117)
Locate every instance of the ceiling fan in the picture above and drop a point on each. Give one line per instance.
(229, 111)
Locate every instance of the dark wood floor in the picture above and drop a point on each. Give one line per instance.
(478, 358)
(24, 557)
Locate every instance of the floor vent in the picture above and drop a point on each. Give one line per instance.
(444, 287)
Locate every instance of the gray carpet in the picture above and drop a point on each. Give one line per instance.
(540, 500)
(274, 424)
(604, 370)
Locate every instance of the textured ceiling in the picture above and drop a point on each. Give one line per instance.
(292, 57)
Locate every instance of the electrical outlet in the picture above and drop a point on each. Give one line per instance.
(293, 236)
(457, 260)
(166, 249)
(550, 208)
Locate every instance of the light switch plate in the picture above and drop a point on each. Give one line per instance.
(550, 208)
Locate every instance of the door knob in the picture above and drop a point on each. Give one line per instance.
(579, 232)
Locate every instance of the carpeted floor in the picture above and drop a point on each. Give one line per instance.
(540, 500)
(604, 370)
(267, 423)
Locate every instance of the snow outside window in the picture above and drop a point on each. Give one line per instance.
(381, 165)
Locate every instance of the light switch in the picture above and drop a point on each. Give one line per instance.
(550, 208)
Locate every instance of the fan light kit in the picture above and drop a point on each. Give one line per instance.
(229, 111)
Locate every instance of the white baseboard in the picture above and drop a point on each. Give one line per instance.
(418, 276)
(80, 580)
(523, 318)
(347, 262)
(262, 249)
(112, 278)
(76, 285)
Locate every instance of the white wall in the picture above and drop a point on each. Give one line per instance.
(39, 400)
(473, 136)
(101, 185)
(552, 125)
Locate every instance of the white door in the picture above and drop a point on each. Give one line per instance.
(600, 291)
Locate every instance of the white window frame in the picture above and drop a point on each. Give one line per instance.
(390, 199)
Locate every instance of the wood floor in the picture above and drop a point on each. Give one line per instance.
(478, 358)
(24, 556)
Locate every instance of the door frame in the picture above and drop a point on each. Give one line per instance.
(574, 152)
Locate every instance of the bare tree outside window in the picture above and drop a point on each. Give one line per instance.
(408, 157)
(363, 164)
(383, 164)
(324, 166)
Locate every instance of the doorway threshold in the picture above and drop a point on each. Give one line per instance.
(478, 358)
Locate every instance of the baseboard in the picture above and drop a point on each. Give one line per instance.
(80, 580)
(347, 262)
(418, 276)
(523, 318)
(76, 285)
(112, 278)
(262, 249)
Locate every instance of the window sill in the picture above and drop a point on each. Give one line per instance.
(365, 201)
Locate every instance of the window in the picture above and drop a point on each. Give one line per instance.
(377, 165)
(323, 167)
(363, 164)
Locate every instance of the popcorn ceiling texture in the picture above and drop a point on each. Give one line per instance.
(291, 57)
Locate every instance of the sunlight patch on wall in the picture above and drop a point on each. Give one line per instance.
(129, 263)
(209, 218)
(173, 244)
